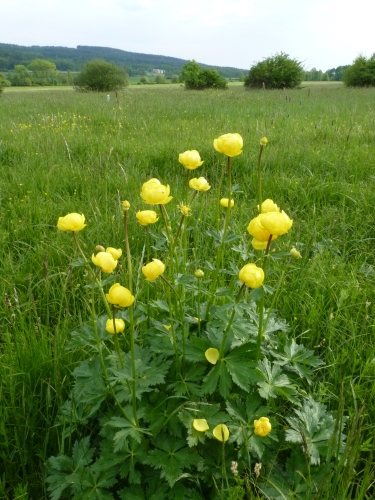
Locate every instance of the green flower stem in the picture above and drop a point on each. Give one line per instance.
(259, 179)
(187, 185)
(275, 296)
(128, 254)
(166, 223)
(261, 304)
(229, 324)
(227, 215)
(199, 307)
(117, 346)
(172, 324)
(148, 288)
(218, 200)
(97, 281)
(224, 472)
(179, 230)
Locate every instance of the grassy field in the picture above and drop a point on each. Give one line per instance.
(64, 152)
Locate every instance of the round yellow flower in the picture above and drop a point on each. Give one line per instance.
(256, 230)
(110, 327)
(259, 245)
(275, 223)
(262, 427)
(115, 252)
(71, 222)
(224, 202)
(212, 355)
(190, 159)
(146, 217)
(251, 275)
(229, 144)
(119, 296)
(105, 261)
(200, 424)
(263, 141)
(221, 433)
(153, 269)
(155, 193)
(199, 184)
(295, 253)
(125, 205)
(269, 206)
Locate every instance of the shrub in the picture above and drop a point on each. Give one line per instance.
(175, 79)
(275, 72)
(196, 79)
(3, 82)
(101, 76)
(160, 79)
(361, 73)
(144, 80)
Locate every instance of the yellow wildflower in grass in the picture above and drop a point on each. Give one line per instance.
(263, 141)
(229, 144)
(190, 159)
(153, 269)
(71, 222)
(200, 424)
(212, 355)
(167, 327)
(224, 202)
(276, 223)
(259, 245)
(251, 275)
(120, 325)
(269, 206)
(125, 205)
(262, 427)
(119, 296)
(185, 210)
(115, 252)
(295, 253)
(199, 184)
(155, 193)
(221, 433)
(256, 230)
(146, 217)
(105, 261)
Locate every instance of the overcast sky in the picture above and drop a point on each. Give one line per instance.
(321, 33)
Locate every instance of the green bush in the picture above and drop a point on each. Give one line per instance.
(101, 76)
(275, 72)
(196, 79)
(160, 79)
(3, 82)
(361, 73)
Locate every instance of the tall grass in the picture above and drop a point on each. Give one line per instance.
(66, 152)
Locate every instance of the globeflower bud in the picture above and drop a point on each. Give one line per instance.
(146, 217)
(212, 355)
(199, 184)
(153, 269)
(262, 427)
(71, 222)
(199, 273)
(155, 193)
(276, 223)
(295, 253)
(200, 424)
(125, 205)
(119, 296)
(105, 261)
(263, 141)
(190, 159)
(224, 202)
(229, 144)
(115, 252)
(99, 248)
(221, 433)
(119, 323)
(251, 275)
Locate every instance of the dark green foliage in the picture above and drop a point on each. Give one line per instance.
(101, 76)
(44, 72)
(197, 79)
(276, 72)
(361, 73)
(3, 82)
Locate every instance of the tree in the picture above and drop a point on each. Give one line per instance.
(160, 79)
(275, 72)
(195, 78)
(101, 76)
(44, 72)
(361, 73)
(175, 79)
(144, 80)
(3, 82)
(21, 76)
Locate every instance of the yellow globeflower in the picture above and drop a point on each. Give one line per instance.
(200, 424)
(262, 427)
(229, 144)
(263, 141)
(259, 245)
(125, 205)
(251, 275)
(224, 202)
(185, 210)
(295, 253)
(115, 252)
(269, 206)
(146, 217)
(221, 433)
(105, 261)
(190, 159)
(256, 230)
(276, 223)
(212, 355)
(153, 269)
(199, 184)
(119, 296)
(155, 193)
(71, 222)
(110, 327)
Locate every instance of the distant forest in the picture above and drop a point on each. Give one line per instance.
(69, 59)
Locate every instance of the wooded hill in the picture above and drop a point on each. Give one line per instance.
(73, 59)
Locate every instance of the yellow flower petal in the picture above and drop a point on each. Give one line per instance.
(221, 433)
(212, 355)
(200, 424)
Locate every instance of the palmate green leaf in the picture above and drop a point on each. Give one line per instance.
(94, 484)
(162, 413)
(85, 336)
(195, 349)
(89, 387)
(211, 413)
(313, 427)
(190, 381)
(241, 366)
(218, 375)
(127, 431)
(172, 457)
(298, 359)
(152, 492)
(274, 383)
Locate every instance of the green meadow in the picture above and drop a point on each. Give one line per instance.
(63, 152)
